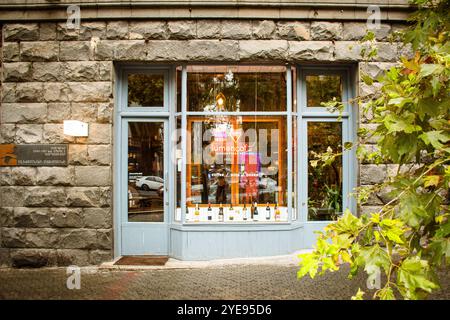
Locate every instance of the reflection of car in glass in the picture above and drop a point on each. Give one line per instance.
(149, 183)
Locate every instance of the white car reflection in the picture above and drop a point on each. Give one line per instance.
(150, 183)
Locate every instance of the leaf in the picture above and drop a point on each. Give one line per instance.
(386, 294)
(431, 181)
(359, 295)
(413, 274)
(427, 69)
(435, 138)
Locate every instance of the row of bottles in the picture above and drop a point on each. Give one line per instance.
(251, 214)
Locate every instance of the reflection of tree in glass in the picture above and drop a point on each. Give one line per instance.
(324, 182)
(322, 88)
(146, 90)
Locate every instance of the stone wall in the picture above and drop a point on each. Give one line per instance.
(63, 215)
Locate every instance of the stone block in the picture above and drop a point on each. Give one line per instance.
(44, 197)
(105, 113)
(99, 154)
(12, 196)
(372, 174)
(41, 238)
(148, 30)
(293, 30)
(78, 154)
(354, 30)
(31, 217)
(86, 112)
(93, 176)
(21, 32)
(5, 258)
(67, 257)
(89, 91)
(348, 51)
(275, 50)
(168, 50)
(47, 31)
(6, 217)
(28, 92)
(58, 112)
(97, 257)
(5, 177)
(16, 71)
(54, 133)
(7, 133)
(264, 29)
(181, 30)
(64, 33)
(81, 71)
(375, 69)
(100, 133)
(10, 51)
(14, 238)
(78, 239)
(104, 239)
(54, 176)
(33, 258)
(131, 50)
(55, 92)
(237, 30)
(88, 30)
(387, 51)
(66, 218)
(23, 176)
(97, 218)
(24, 112)
(89, 197)
(208, 29)
(39, 51)
(207, 50)
(29, 133)
(48, 71)
(322, 30)
(74, 51)
(311, 50)
(117, 30)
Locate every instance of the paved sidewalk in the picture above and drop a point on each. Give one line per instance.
(233, 279)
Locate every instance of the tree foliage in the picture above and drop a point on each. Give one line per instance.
(408, 238)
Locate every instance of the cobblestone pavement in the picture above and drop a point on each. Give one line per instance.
(226, 282)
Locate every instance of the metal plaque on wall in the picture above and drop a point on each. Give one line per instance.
(36, 155)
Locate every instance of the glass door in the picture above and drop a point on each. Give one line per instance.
(145, 182)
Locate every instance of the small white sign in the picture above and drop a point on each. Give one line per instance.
(75, 128)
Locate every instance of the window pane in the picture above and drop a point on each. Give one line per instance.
(322, 88)
(145, 172)
(324, 182)
(177, 156)
(145, 90)
(237, 161)
(236, 88)
(294, 167)
(178, 76)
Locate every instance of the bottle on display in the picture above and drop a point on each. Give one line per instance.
(255, 213)
(231, 212)
(221, 212)
(244, 213)
(209, 211)
(268, 214)
(252, 211)
(187, 213)
(197, 213)
(277, 213)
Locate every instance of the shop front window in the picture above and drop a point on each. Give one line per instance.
(236, 168)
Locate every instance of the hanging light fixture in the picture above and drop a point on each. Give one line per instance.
(220, 101)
